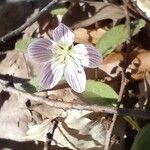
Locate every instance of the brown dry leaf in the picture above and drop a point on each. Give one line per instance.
(75, 13)
(14, 116)
(138, 63)
(14, 64)
(103, 11)
(81, 35)
(19, 64)
(96, 35)
(110, 64)
(85, 36)
(28, 33)
(147, 76)
(46, 111)
(63, 94)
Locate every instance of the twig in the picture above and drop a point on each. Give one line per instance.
(27, 24)
(51, 134)
(66, 105)
(123, 82)
(109, 132)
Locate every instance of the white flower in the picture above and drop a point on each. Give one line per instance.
(62, 58)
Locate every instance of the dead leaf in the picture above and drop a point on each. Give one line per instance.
(75, 131)
(139, 64)
(14, 117)
(74, 14)
(47, 112)
(64, 94)
(14, 64)
(85, 36)
(103, 10)
(38, 132)
(110, 64)
(79, 132)
(96, 35)
(142, 8)
(81, 35)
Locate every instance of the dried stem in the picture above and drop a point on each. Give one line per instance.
(124, 79)
(27, 24)
(66, 105)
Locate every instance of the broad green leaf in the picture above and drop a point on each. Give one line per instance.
(97, 92)
(59, 9)
(116, 36)
(142, 139)
(31, 86)
(22, 44)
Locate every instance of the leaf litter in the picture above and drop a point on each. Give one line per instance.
(75, 130)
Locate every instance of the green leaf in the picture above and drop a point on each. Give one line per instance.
(97, 92)
(31, 86)
(59, 9)
(116, 36)
(22, 44)
(142, 139)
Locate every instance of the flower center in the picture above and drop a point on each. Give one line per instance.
(63, 54)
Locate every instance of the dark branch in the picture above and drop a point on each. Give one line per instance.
(27, 24)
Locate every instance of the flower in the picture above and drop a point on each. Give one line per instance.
(63, 58)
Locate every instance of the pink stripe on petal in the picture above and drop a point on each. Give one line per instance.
(63, 35)
(40, 50)
(51, 75)
(75, 76)
(88, 55)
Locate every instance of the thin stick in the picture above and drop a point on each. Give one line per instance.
(109, 132)
(66, 105)
(26, 24)
(123, 82)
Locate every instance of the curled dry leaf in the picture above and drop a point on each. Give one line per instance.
(142, 7)
(138, 63)
(110, 64)
(103, 10)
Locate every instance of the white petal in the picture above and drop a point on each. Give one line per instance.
(88, 55)
(52, 74)
(40, 50)
(63, 36)
(75, 76)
